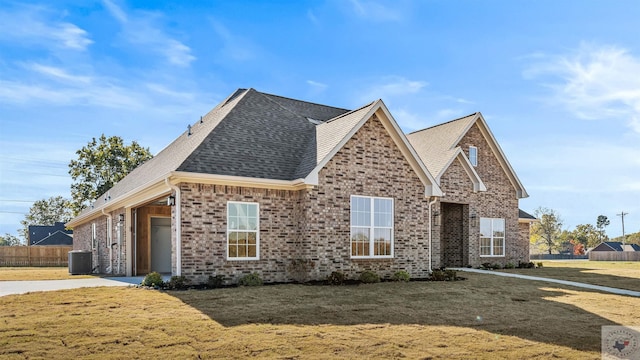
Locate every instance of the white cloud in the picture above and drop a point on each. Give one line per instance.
(317, 85)
(374, 10)
(57, 73)
(594, 82)
(141, 28)
(33, 25)
(391, 88)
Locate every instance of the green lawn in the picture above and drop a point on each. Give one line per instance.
(484, 317)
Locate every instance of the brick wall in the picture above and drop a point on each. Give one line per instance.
(82, 240)
(499, 201)
(312, 224)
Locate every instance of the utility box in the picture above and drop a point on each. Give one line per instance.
(79, 262)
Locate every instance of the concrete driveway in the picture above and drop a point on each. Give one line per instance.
(23, 287)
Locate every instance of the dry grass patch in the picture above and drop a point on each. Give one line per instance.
(37, 273)
(617, 274)
(483, 317)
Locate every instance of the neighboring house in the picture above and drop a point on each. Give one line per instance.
(56, 234)
(616, 246)
(262, 183)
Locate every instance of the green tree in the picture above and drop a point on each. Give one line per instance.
(9, 240)
(549, 228)
(46, 212)
(601, 223)
(587, 234)
(101, 164)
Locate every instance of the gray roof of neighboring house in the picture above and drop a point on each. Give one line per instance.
(59, 237)
(615, 246)
(525, 215)
(437, 144)
(39, 232)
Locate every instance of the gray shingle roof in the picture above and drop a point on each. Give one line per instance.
(264, 136)
(525, 215)
(250, 134)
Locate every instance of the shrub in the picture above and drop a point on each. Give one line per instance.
(214, 282)
(336, 278)
(401, 276)
(252, 279)
(496, 266)
(300, 268)
(509, 265)
(526, 265)
(369, 277)
(178, 283)
(443, 275)
(539, 264)
(153, 279)
(486, 266)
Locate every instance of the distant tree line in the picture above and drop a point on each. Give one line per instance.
(547, 234)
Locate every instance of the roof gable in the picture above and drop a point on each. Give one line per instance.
(57, 238)
(438, 146)
(330, 145)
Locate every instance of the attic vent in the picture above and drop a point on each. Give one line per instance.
(314, 121)
(189, 130)
(201, 120)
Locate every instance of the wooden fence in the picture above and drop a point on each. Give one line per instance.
(614, 255)
(34, 255)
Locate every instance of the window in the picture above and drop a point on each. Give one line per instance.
(243, 231)
(371, 227)
(94, 236)
(473, 155)
(491, 237)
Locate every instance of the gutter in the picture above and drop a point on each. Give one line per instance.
(178, 220)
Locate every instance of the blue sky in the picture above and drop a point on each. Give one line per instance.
(557, 81)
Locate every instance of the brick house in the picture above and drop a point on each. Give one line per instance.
(263, 182)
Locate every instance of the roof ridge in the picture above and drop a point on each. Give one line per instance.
(349, 112)
(267, 96)
(304, 101)
(444, 123)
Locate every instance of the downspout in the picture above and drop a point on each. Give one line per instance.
(120, 226)
(430, 229)
(109, 238)
(178, 206)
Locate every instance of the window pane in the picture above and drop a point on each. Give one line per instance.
(233, 209)
(251, 251)
(243, 223)
(485, 227)
(251, 238)
(383, 209)
(233, 251)
(252, 210)
(242, 238)
(242, 251)
(382, 242)
(359, 241)
(498, 247)
(233, 238)
(498, 227)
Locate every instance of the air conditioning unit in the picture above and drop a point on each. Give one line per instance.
(80, 262)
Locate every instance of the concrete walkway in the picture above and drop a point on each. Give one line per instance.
(23, 287)
(563, 282)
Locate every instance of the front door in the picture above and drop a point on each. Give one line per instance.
(161, 245)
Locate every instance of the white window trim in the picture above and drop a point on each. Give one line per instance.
(504, 239)
(257, 231)
(371, 229)
(94, 236)
(474, 160)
